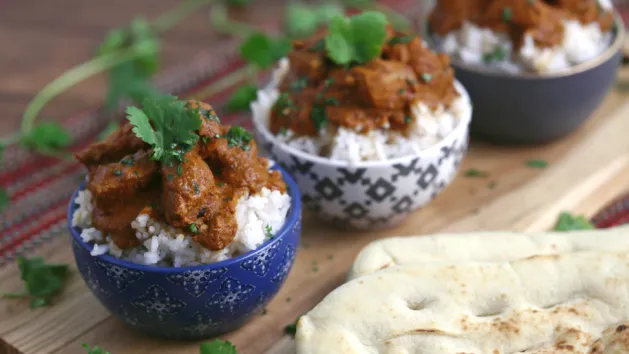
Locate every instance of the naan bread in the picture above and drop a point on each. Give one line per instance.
(484, 247)
(564, 303)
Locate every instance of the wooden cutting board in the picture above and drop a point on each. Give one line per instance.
(586, 171)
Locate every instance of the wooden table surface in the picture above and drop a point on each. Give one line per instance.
(40, 39)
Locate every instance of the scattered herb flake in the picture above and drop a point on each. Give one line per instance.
(401, 91)
(319, 117)
(170, 177)
(427, 77)
(568, 222)
(238, 136)
(220, 184)
(205, 139)
(129, 161)
(118, 173)
(401, 39)
(497, 54)
(268, 231)
(42, 281)
(330, 256)
(209, 114)
(491, 184)
(407, 119)
(179, 170)
(94, 350)
(472, 172)
(299, 84)
(264, 311)
(291, 329)
(331, 101)
(283, 131)
(217, 347)
(288, 299)
(537, 163)
(507, 14)
(315, 268)
(195, 185)
(283, 102)
(217, 136)
(194, 229)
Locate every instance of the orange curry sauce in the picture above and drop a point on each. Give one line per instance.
(317, 93)
(541, 19)
(198, 195)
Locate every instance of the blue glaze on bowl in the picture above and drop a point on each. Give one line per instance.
(191, 302)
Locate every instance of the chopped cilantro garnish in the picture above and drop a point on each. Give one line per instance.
(205, 139)
(193, 228)
(567, 222)
(167, 125)
(118, 173)
(217, 347)
(319, 117)
(209, 114)
(42, 281)
(357, 39)
(401, 91)
(331, 101)
(491, 184)
(330, 256)
(407, 119)
(268, 231)
(195, 185)
(127, 161)
(283, 102)
(497, 54)
(94, 350)
(238, 136)
(291, 329)
(217, 136)
(299, 84)
(427, 77)
(536, 163)
(401, 39)
(472, 172)
(179, 170)
(220, 184)
(507, 14)
(283, 131)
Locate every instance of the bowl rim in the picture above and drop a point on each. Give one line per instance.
(293, 217)
(616, 46)
(461, 128)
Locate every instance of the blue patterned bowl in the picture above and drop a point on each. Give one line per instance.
(191, 302)
(374, 194)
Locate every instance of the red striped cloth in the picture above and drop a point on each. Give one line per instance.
(40, 187)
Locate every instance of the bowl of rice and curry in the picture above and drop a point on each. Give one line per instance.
(181, 230)
(535, 69)
(368, 120)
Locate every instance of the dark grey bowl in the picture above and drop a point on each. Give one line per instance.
(532, 108)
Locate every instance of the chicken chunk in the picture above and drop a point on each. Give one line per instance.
(118, 144)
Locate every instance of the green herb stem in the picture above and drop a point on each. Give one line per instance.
(69, 79)
(220, 20)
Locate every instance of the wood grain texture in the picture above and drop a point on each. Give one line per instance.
(41, 39)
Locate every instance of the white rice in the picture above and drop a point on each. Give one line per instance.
(427, 128)
(164, 245)
(471, 43)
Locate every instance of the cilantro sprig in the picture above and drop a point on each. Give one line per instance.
(42, 282)
(94, 350)
(356, 39)
(168, 125)
(238, 136)
(568, 222)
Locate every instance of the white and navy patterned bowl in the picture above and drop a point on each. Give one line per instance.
(191, 302)
(374, 194)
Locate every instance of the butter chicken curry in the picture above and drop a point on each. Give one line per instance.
(198, 194)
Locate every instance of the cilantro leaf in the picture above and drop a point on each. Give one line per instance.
(357, 39)
(567, 222)
(131, 79)
(46, 137)
(536, 163)
(111, 127)
(302, 20)
(238, 136)
(166, 124)
(94, 350)
(473, 172)
(241, 99)
(4, 199)
(263, 51)
(218, 347)
(42, 281)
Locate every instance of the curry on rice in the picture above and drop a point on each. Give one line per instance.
(200, 194)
